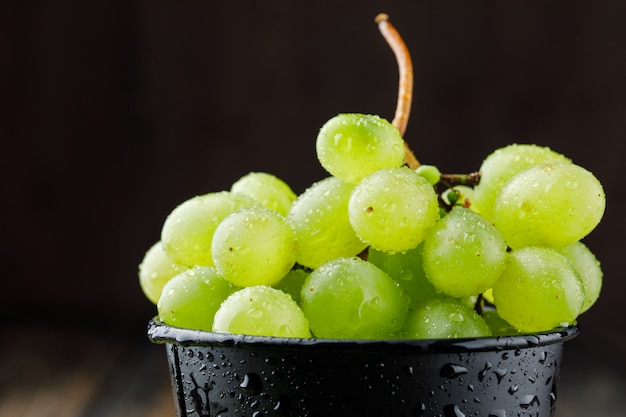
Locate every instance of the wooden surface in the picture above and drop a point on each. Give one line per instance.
(61, 372)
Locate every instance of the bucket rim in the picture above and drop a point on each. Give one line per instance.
(161, 333)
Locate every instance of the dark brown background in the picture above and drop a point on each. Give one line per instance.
(113, 112)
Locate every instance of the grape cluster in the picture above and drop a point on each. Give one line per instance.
(381, 250)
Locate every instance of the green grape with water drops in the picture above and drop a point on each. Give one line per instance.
(501, 165)
(352, 146)
(539, 290)
(392, 208)
(589, 270)
(261, 311)
(188, 230)
(463, 254)
(319, 217)
(552, 204)
(292, 283)
(444, 319)
(406, 268)
(155, 270)
(267, 190)
(191, 298)
(254, 246)
(349, 298)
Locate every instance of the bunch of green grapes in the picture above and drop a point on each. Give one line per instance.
(384, 247)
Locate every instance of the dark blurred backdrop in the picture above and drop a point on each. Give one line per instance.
(113, 112)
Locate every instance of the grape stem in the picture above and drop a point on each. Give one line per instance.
(472, 179)
(405, 85)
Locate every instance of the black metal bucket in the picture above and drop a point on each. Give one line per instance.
(234, 375)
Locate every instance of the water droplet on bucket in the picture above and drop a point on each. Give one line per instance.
(500, 373)
(451, 370)
(418, 410)
(452, 410)
(528, 401)
(483, 373)
(251, 384)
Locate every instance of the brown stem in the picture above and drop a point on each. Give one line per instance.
(405, 84)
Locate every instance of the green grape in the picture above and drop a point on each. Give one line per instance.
(392, 208)
(589, 271)
(349, 298)
(497, 325)
(539, 290)
(552, 204)
(406, 268)
(191, 298)
(501, 165)
(261, 311)
(155, 270)
(254, 246)
(352, 146)
(430, 172)
(319, 217)
(267, 190)
(444, 319)
(188, 230)
(292, 283)
(463, 254)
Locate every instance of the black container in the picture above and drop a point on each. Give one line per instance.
(235, 375)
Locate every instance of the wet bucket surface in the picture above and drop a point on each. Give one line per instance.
(235, 375)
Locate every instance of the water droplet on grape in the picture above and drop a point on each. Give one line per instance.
(497, 413)
(452, 410)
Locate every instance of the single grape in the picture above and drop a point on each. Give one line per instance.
(349, 298)
(319, 217)
(539, 290)
(292, 283)
(463, 254)
(430, 172)
(191, 298)
(352, 146)
(501, 165)
(406, 269)
(267, 190)
(254, 246)
(444, 319)
(392, 208)
(589, 270)
(188, 231)
(155, 270)
(497, 325)
(552, 204)
(261, 311)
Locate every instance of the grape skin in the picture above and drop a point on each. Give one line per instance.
(319, 217)
(349, 298)
(191, 298)
(155, 270)
(250, 238)
(552, 204)
(188, 230)
(539, 290)
(392, 208)
(352, 146)
(504, 163)
(463, 254)
(261, 311)
(267, 190)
